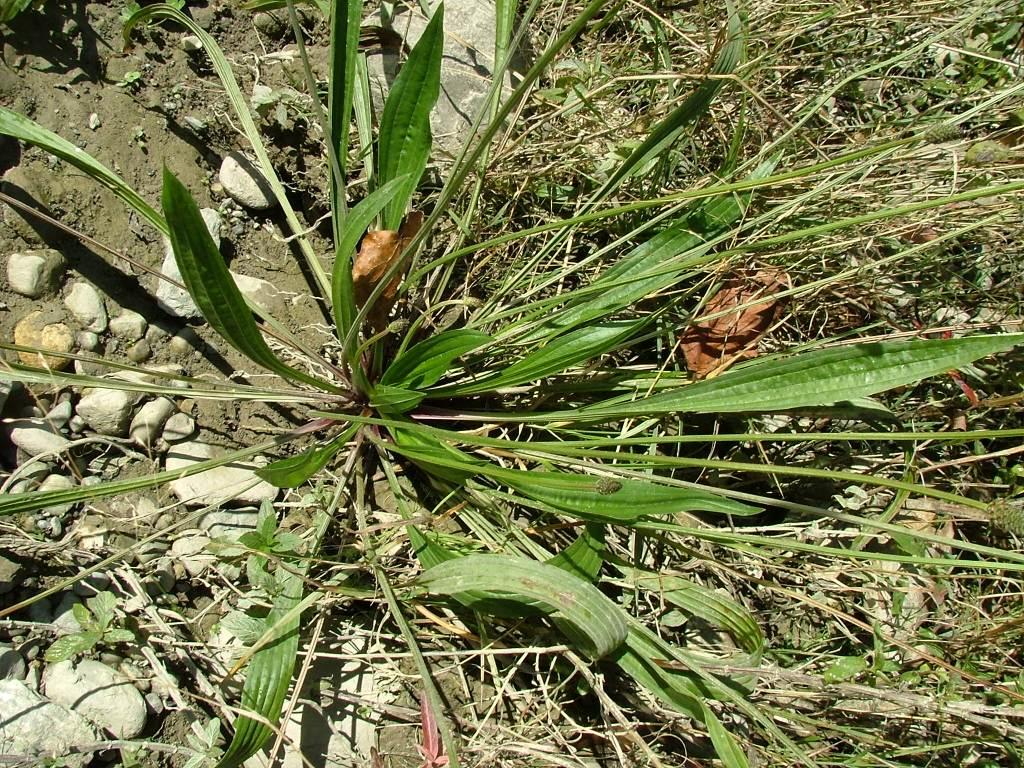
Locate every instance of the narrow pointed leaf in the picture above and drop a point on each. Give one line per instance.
(394, 399)
(823, 377)
(345, 17)
(435, 457)
(726, 747)
(638, 657)
(211, 286)
(295, 470)
(269, 674)
(424, 363)
(585, 556)
(655, 264)
(554, 357)
(615, 500)
(20, 127)
(592, 621)
(668, 131)
(405, 140)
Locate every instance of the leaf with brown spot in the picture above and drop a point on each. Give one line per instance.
(377, 252)
(716, 343)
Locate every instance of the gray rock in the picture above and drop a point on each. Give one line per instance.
(171, 298)
(35, 436)
(64, 617)
(60, 414)
(12, 664)
(189, 550)
(107, 411)
(87, 341)
(263, 293)
(466, 65)
(57, 482)
(179, 427)
(191, 43)
(245, 184)
(34, 273)
(9, 571)
(102, 695)
(129, 326)
(140, 351)
(149, 421)
(234, 482)
(33, 726)
(86, 305)
(94, 121)
(229, 524)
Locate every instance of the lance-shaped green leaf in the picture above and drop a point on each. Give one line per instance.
(617, 500)
(345, 18)
(436, 457)
(554, 357)
(655, 264)
(295, 470)
(394, 399)
(823, 377)
(423, 364)
(585, 556)
(668, 131)
(405, 140)
(269, 674)
(638, 657)
(211, 286)
(21, 128)
(697, 600)
(592, 621)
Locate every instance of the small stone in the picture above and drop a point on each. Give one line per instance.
(88, 341)
(107, 411)
(245, 184)
(35, 727)
(140, 351)
(60, 414)
(149, 421)
(92, 585)
(12, 664)
(197, 125)
(76, 424)
(170, 297)
(104, 696)
(160, 577)
(94, 121)
(189, 550)
(9, 571)
(263, 293)
(129, 326)
(33, 331)
(234, 482)
(229, 524)
(57, 482)
(191, 43)
(35, 273)
(179, 426)
(86, 305)
(35, 436)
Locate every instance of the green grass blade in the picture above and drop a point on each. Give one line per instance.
(668, 131)
(269, 674)
(424, 363)
(405, 140)
(822, 377)
(556, 356)
(295, 470)
(20, 127)
(637, 658)
(589, 619)
(614, 500)
(211, 286)
(345, 18)
(728, 750)
(357, 221)
(655, 264)
(698, 600)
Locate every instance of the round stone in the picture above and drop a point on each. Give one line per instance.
(33, 331)
(245, 184)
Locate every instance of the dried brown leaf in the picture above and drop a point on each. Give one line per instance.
(377, 252)
(723, 340)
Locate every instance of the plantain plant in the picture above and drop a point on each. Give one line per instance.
(520, 408)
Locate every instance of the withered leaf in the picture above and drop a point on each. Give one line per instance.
(377, 252)
(721, 341)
